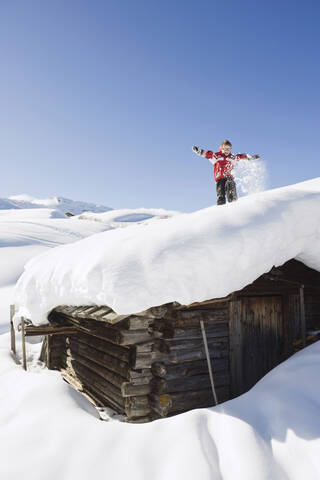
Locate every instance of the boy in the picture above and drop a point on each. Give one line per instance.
(222, 167)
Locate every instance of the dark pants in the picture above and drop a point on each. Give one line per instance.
(226, 187)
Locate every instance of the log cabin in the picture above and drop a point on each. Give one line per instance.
(160, 362)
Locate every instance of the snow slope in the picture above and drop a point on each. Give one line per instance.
(48, 431)
(187, 258)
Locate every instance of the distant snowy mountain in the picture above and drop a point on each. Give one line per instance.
(62, 204)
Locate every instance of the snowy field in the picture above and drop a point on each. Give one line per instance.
(48, 431)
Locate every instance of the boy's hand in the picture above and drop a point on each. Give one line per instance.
(196, 149)
(255, 157)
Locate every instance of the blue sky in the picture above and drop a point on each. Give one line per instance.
(101, 100)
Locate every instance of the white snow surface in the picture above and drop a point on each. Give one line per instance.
(49, 431)
(187, 258)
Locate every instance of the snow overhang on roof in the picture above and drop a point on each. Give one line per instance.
(187, 258)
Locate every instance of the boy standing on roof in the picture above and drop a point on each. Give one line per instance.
(222, 167)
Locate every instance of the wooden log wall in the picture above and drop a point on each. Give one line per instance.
(181, 379)
(143, 366)
(312, 310)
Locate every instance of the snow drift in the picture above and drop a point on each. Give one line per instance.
(271, 432)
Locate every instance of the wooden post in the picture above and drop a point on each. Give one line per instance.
(13, 334)
(208, 361)
(48, 352)
(24, 356)
(235, 348)
(302, 317)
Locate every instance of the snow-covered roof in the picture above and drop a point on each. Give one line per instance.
(187, 258)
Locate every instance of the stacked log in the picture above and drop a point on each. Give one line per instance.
(97, 359)
(144, 366)
(180, 373)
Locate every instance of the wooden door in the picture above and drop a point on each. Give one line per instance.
(262, 337)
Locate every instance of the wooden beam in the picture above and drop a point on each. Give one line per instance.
(209, 362)
(23, 337)
(13, 334)
(235, 347)
(302, 317)
(206, 302)
(34, 331)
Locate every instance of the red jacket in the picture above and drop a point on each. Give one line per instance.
(222, 163)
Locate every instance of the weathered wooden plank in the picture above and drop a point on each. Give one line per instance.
(86, 311)
(287, 336)
(214, 343)
(92, 393)
(12, 330)
(262, 337)
(202, 398)
(206, 303)
(161, 404)
(98, 314)
(129, 389)
(170, 372)
(132, 337)
(145, 360)
(34, 331)
(191, 383)
(302, 316)
(111, 363)
(91, 379)
(106, 374)
(23, 338)
(180, 402)
(235, 347)
(139, 419)
(107, 332)
(193, 333)
(117, 351)
(137, 413)
(211, 319)
(137, 402)
(137, 323)
(43, 353)
(106, 401)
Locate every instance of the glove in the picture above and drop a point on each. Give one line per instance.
(255, 157)
(196, 149)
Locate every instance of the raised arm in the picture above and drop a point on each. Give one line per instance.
(204, 153)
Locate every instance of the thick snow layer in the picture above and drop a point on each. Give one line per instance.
(48, 431)
(187, 258)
